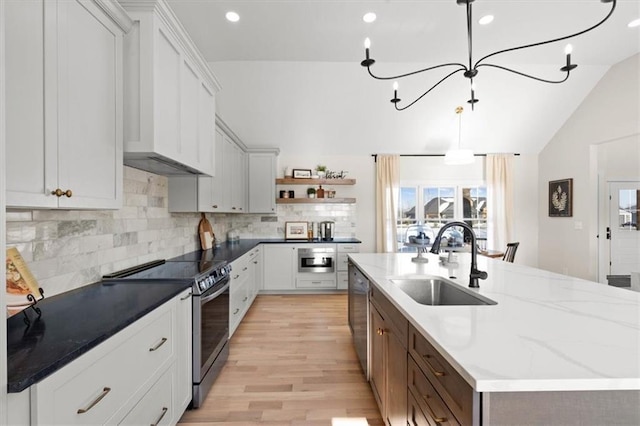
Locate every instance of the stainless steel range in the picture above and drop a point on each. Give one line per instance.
(210, 290)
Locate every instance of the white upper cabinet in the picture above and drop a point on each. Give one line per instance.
(64, 103)
(262, 182)
(169, 95)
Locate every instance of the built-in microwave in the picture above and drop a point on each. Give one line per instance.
(317, 260)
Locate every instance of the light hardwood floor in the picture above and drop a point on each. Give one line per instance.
(291, 362)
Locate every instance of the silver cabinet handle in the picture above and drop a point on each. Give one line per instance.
(104, 393)
(164, 411)
(244, 269)
(255, 262)
(188, 296)
(245, 299)
(156, 347)
(236, 311)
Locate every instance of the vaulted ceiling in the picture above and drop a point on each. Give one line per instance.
(291, 76)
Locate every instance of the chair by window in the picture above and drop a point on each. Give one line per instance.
(510, 253)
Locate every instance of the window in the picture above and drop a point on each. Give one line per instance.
(433, 206)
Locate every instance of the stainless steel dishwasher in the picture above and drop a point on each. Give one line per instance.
(359, 314)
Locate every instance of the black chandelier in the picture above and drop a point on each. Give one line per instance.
(471, 71)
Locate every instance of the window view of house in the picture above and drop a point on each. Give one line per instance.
(628, 209)
(433, 206)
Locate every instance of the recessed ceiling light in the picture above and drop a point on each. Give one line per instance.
(232, 17)
(369, 17)
(634, 23)
(486, 19)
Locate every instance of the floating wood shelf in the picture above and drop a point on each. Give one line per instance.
(315, 200)
(304, 181)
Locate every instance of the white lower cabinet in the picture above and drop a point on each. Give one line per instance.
(281, 268)
(155, 408)
(130, 378)
(342, 273)
(244, 286)
(183, 378)
(280, 262)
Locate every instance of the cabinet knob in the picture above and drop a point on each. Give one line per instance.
(215, 206)
(380, 331)
(233, 208)
(59, 193)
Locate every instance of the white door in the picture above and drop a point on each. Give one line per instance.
(624, 229)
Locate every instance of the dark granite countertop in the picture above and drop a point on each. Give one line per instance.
(74, 322)
(231, 251)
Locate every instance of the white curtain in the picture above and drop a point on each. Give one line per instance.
(387, 191)
(499, 200)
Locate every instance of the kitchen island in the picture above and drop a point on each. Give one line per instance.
(553, 350)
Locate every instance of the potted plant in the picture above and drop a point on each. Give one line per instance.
(311, 192)
(321, 171)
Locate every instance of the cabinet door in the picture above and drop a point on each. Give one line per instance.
(32, 167)
(216, 185)
(279, 262)
(183, 377)
(166, 95)
(238, 180)
(206, 129)
(396, 371)
(378, 358)
(262, 186)
(64, 105)
(189, 105)
(228, 154)
(89, 107)
(258, 271)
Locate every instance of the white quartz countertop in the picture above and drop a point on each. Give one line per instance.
(548, 332)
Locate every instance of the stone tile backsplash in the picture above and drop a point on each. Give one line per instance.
(69, 249)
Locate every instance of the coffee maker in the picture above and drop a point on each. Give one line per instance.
(327, 231)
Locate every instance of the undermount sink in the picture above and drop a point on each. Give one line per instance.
(437, 291)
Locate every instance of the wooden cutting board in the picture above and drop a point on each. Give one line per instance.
(205, 231)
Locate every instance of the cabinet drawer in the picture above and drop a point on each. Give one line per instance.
(320, 283)
(433, 407)
(415, 417)
(391, 315)
(348, 248)
(101, 388)
(155, 408)
(454, 390)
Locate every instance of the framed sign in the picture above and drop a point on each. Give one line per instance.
(302, 173)
(296, 230)
(561, 198)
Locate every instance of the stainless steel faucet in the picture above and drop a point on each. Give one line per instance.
(475, 274)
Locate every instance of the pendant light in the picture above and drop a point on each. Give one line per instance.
(458, 156)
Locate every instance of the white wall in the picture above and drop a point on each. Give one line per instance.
(610, 112)
(361, 168)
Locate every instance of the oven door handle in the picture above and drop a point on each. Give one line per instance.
(216, 294)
